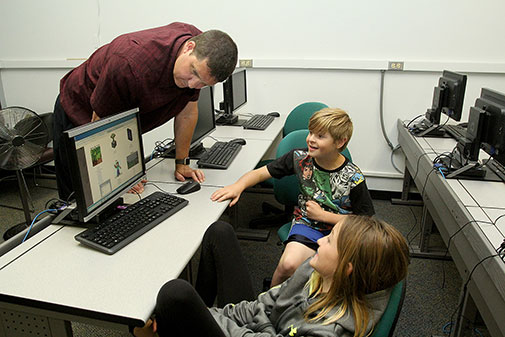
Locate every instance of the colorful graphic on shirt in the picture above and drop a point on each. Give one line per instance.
(330, 189)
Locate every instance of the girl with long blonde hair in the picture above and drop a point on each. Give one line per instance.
(342, 290)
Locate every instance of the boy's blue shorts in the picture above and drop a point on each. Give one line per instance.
(305, 235)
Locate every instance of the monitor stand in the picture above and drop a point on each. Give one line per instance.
(230, 120)
(427, 129)
(195, 152)
(472, 170)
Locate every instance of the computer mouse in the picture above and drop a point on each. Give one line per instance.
(240, 141)
(189, 187)
(274, 114)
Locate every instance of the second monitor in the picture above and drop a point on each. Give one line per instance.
(206, 125)
(234, 96)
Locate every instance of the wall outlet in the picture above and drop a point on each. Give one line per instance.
(245, 63)
(395, 65)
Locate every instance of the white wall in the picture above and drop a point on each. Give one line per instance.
(327, 50)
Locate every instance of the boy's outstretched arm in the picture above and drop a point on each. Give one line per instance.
(234, 191)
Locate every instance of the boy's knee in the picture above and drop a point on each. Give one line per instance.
(288, 266)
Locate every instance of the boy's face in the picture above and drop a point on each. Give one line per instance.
(322, 145)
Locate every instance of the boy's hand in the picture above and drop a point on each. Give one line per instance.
(314, 211)
(228, 192)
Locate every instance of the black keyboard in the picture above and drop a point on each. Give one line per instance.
(220, 155)
(258, 122)
(121, 229)
(457, 132)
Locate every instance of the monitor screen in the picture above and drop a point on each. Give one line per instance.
(206, 121)
(206, 125)
(106, 161)
(239, 89)
(448, 97)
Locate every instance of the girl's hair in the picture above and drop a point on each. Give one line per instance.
(379, 257)
(335, 121)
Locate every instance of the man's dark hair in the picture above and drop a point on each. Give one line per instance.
(220, 51)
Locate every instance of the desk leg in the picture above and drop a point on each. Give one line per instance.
(423, 250)
(466, 314)
(404, 200)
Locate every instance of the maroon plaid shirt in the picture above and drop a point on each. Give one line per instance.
(134, 70)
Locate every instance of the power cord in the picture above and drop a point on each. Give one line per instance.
(465, 290)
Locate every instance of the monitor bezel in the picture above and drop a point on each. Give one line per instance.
(495, 122)
(77, 182)
(229, 103)
(196, 142)
(454, 97)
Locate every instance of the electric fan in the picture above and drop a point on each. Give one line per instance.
(23, 140)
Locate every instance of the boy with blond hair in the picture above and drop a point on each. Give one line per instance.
(330, 187)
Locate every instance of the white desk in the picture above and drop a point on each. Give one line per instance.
(55, 273)
(246, 160)
(53, 279)
(453, 204)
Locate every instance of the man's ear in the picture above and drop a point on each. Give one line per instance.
(189, 46)
(349, 269)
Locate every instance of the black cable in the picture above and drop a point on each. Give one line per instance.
(162, 190)
(417, 164)
(412, 120)
(137, 193)
(411, 229)
(465, 288)
(422, 197)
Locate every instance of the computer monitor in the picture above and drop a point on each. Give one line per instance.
(448, 99)
(486, 130)
(493, 103)
(106, 160)
(206, 125)
(234, 96)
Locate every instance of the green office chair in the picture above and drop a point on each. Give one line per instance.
(286, 190)
(298, 118)
(386, 325)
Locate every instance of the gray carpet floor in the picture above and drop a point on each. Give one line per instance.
(432, 289)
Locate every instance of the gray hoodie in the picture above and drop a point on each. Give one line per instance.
(279, 312)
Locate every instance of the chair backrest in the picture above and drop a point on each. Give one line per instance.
(299, 117)
(286, 189)
(386, 325)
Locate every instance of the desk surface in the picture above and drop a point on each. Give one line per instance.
(55, 269)
(162, 170)
(52, 271)
(474, 205)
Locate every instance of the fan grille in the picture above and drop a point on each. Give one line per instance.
(23, 138)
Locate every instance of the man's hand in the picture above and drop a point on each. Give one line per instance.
(139, 188)
(184, 171)
(228, 192)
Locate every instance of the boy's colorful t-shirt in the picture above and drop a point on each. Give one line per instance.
(342, 190)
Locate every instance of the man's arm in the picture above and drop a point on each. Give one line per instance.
(184, 125)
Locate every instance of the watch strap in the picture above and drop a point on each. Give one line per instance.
(184, 161)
